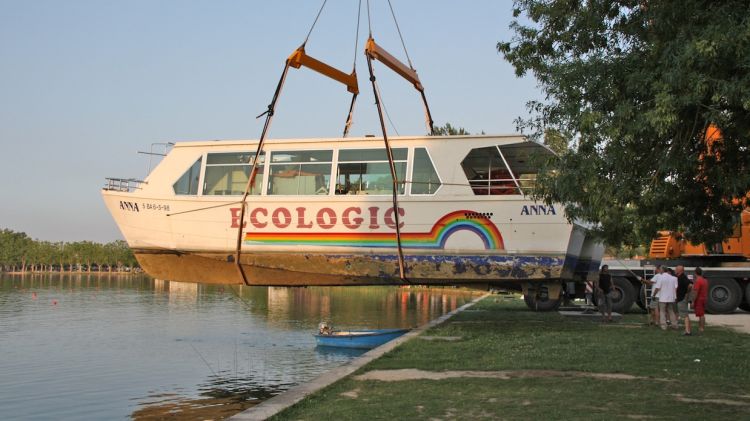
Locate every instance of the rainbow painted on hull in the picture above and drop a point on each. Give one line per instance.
(434, 239)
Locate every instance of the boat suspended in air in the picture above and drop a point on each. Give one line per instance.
(434, 210)
(321, 213)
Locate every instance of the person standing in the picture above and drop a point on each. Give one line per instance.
(653, 305)
(683, 297)
(677, 283)
(604, 290)
(700, 295)
(666, 288)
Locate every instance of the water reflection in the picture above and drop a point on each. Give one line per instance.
(340, 352)
(80, 346)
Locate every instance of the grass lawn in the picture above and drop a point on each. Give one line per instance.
(539, 351)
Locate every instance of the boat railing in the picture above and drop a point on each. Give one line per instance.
(122, 184)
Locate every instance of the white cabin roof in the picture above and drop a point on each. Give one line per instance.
(398, 139)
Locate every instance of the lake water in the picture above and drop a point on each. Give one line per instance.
(97, 347)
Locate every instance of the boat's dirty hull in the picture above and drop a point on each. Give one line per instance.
(302, 269)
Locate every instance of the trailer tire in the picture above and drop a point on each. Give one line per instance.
(745, 305)
(544, 304)
(623, 295)
(640, 300)
(724, 295)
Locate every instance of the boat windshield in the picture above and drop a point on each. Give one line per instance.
(187, 184)
(503, 170)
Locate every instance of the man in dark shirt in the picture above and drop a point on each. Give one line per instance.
(604, 290)
(683, 288)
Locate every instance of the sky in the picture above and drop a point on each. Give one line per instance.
(85, 85)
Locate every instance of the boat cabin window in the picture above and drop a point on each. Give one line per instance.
(366, 171)
(487, 173)
(524, 160)
(300, 172)
(424, 179)
(188, 182)
(227, 173)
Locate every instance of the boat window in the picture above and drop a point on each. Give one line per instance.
(300, 172)
(227, 173)
(487, 173)
(364, 155)
(524, 160)
(188, 182)
(424, 179)
(366, 171)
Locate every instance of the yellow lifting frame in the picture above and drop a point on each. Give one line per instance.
(299, 58)
(376, 52)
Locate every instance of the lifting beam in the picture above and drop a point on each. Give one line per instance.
(299, 58)
(375, 52)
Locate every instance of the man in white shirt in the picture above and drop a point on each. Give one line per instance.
(666, 288)
(653, 305)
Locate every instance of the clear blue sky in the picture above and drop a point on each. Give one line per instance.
(86, 84)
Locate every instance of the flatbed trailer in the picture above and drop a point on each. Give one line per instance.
(729, 282)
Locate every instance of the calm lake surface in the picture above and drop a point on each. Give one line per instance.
(98, 347)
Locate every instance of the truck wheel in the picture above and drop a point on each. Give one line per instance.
(724, 295)
(623, 296)
(640, 299)
(543, 303)
(746, 304)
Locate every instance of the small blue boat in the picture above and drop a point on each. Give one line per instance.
(362, 339)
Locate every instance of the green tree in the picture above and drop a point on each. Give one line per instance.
(19, 252)
(88, 253)
(555, 141)
(449, 130)
(125, 256)
(634, 85)
(18, 249)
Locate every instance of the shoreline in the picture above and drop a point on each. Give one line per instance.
(278, 403)
(71, 273)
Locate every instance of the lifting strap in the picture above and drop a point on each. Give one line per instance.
(392, 166)
(254, 171)
(350, 116)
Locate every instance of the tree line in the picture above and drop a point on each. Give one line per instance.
(20, 253)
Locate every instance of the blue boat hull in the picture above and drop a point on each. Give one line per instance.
(362, 339)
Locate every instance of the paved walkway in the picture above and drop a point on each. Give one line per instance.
(739, 320)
